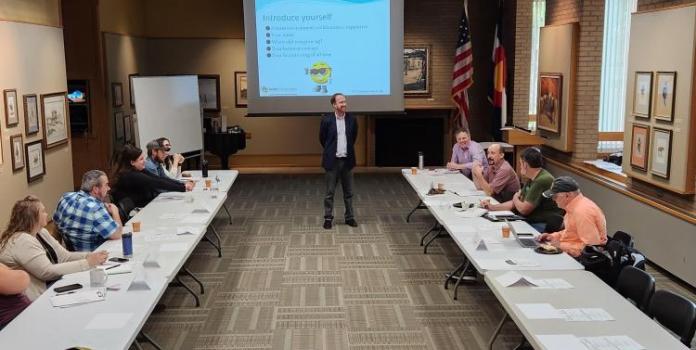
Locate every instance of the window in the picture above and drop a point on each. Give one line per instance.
(538, 21)
(612, 106)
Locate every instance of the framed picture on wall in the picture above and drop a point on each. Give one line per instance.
(640, 136)
(240, 89)
(117, 94)
(118, 126)
(17, 147)
(642, 94)
(549, 105)
(36, 164)
(209, 91)
(11, 113)
(661, 152)
(55, 119)
(417, 71)
(663, 98)
(127, 129)
(31, 114)
(130, 89)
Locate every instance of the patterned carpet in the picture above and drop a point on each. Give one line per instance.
(286, 283)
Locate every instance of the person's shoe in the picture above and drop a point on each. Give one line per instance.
(351, 223)
(327, 224)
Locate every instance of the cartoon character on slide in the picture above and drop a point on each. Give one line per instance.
(320, 73)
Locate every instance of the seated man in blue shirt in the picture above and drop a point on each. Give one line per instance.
(156, 154)
(85, 217)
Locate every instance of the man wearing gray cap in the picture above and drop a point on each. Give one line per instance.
(584, 221)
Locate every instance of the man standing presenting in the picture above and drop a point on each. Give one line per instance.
(85, 217)
(337, 135)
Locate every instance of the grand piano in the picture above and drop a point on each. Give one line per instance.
(224, 144)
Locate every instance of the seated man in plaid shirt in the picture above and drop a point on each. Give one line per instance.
(85, 217)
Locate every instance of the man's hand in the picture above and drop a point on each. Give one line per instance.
(189, 185)
(485, 203)
(542, 237)
(452, 166)
(113, 210)
(97, 258)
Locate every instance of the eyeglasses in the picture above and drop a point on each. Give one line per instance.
(321, 71)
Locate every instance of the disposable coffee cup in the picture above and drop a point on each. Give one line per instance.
(136, 226)
(414, 171)
(208, 183)
(505, 230)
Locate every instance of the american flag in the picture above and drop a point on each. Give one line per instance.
(462, 75)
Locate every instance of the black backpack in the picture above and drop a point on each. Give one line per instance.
(607, 261)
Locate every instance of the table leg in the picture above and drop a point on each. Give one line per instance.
(450, 275)
(188, 272)
(148, 339)
(228, 212)
(217, 246)
(433, 238)
(497, 330)
(462, 277)
(419, 206)
(435, 227)
(181, 283)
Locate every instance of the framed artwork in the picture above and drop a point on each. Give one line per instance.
(130, 89)
(55, 119)
(11, 113)
(209, 91)
(31, 114)
(549, 103)
(240, 89)
(117, 94)
(663, 98)
(417, 71)
(640, 146)
(642, 94)
(118, 126)
(36, 164)
(127, 129)
(661, 152)
(17, 147)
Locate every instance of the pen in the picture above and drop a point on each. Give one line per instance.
(111, 267)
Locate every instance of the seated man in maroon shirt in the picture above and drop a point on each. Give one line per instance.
(499, 180)
(12, 298)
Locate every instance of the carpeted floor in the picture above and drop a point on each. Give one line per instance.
(285, 283)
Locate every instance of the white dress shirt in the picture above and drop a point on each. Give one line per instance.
(341, 141)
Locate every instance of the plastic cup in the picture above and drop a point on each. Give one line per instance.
(208, 183)
(505, 230)
(414, 171)
(136, 226)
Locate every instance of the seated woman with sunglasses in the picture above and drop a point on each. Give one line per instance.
(26, 245)
(132, 181)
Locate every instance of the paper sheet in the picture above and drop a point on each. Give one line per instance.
(561, 342)
(78, 297)
(506, 264)
(539, 311)
(173, 247)
(195, 219)
(514, 279)
(120, 269)
(187, 230)
(585, 314)
(109, 321)
(617, 342)
(552, 283)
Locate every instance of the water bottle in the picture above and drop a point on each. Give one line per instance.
(420, 160)
(204, 168)
(127, 240)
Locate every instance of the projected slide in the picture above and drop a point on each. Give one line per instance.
(319, 47)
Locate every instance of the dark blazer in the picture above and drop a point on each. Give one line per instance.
(328, 137)
(142, 186)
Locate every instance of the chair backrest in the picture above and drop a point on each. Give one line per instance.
(674, 312)
(624, 237)
(125, 206)
(636, 285)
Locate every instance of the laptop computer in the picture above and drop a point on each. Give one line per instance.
(524, 234)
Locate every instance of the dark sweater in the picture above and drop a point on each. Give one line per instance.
(142, 187)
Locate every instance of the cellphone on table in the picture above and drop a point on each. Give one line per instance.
(67, 288)
(118, 260)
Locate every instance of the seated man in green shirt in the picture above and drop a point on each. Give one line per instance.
(542, 213)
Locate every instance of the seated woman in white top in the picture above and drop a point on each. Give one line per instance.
(26, 245)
